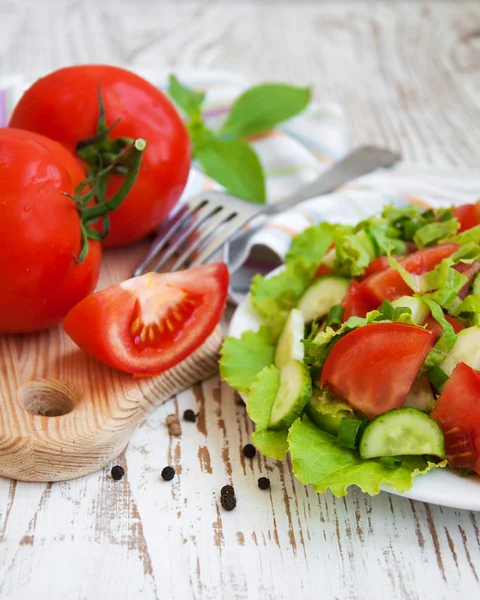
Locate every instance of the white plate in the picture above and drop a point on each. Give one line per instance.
(442, 486)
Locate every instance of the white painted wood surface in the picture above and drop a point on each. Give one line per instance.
(408, 75)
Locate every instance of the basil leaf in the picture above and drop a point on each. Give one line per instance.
(187, 99)
(232, 163)
(262, 107)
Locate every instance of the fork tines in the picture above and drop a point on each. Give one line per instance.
(192, 234)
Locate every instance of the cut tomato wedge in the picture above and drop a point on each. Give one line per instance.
(374, 367)
(356, 304)
(389, 285)
(150, 323)
(458, 413)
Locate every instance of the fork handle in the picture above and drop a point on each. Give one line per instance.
(359, 162)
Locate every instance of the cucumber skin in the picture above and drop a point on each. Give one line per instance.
(364, 449)
(299, 406)
(328, 423)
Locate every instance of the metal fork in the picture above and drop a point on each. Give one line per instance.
(203, 224)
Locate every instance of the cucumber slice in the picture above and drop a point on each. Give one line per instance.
(319, 298)
(466, 349)
(420, 310)
(329, 423)
(290, 346)
(420, 395)
(402, 431)
(293, 393)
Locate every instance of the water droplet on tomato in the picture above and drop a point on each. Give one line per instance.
(26, 208)
(27, 271)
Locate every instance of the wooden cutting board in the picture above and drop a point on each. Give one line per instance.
(62, 413)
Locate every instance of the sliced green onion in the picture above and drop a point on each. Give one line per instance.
(335, 316)
(391, 462)
(437, 377)
(349, 432)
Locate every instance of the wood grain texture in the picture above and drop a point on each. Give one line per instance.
(408, 76)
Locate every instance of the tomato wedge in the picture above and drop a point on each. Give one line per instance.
(374, 367)
(356, 304)
(150, 323)
(468, 215)
(458, 413)
(389, 285)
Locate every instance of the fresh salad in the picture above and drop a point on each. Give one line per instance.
(366, 367)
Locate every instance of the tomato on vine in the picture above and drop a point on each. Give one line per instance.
(50, 228)
(95, 111)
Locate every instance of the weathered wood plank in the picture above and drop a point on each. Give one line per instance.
(408, 75)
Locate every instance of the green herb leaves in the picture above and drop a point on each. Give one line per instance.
(185, 98)
(224, 155)
(262, 107)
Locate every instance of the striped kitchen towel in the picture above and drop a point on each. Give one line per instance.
(293, 155)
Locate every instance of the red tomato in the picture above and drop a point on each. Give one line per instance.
(377, 265)
(389, 285)
(468, 215)
(356, 304)
(322, 270)
(374, 367)
(40, 231)
(148, 324)
(435, 326)
(143, 112)
(458, 413)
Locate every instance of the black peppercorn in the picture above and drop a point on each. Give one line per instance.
(168, 473)
(117, 472)
(228, 501)
(264, 483)
(227, 490)
(249, 451)
(189, 415)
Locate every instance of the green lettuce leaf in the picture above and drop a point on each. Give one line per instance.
(328, 404)
(353, 252)
(430, 234)
(318, 460)
(467, 237)
(271, 443)
(469, 308)
(242, 359)
(274, 298)
(445, 342)
(262, 396)
(311, 245)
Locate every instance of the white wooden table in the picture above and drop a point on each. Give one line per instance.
(408, 75)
